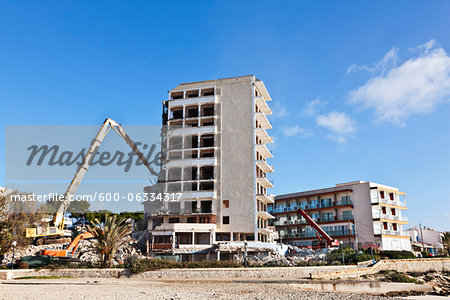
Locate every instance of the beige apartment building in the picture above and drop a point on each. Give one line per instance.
(217, 159)
(357, 213)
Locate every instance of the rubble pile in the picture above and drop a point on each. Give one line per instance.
(84, 253)
(296, 256)
(87, 254)
(29, 251)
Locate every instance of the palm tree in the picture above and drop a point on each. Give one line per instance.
(110, 237)
(446, 241)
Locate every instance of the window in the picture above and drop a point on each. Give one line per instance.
(176, 113)
(190, 220)
(207, 173)
(226, 203)
(394, 227)
(191, 142)
(393, 211)
(174, 174)
(391, 196)
(207, 186)
(207, 153)
(190, 173)
(194, 207)
(192, 112)
(207, 141)
(177, 95)
(175, 143)
(207, 110)
(382, 194)
(385, 226)
(208, 92)
(226, 220)
(347, 215)
(174, 220)
(208, 122)
(192, 94)
(383, 210)
(206, 206)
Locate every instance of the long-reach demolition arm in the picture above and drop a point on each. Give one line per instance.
(328, 239)
(58, 219)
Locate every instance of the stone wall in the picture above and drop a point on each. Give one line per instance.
(400, 265)
(225, 273)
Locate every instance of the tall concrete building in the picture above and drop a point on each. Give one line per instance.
(217, 158)
(357, 213)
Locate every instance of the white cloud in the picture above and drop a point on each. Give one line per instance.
(340, 125)
(414, 87)
(312, 108)
(389, 60)
(296, 130)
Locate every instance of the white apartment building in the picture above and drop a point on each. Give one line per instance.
(425, 239)
(358, 213)
(217, 158)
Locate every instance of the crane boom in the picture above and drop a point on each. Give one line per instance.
(58, 219)
(319, 229)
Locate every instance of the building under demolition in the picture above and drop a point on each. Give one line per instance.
(215, 144)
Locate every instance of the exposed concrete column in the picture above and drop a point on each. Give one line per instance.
(173, 240)
(193, 237)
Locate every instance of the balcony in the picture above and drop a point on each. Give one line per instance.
(263, 150)
(264, 166)
(263, 181)
(312, 234)
(390, 232)
(198, 195)
(262, 105)
(378, 200)
(265, 215)
(295, 207)
(195, 100)
(265, 198)
(191, 162)
(189, 130)
(261, 133)
(262, 120)
(390, 217)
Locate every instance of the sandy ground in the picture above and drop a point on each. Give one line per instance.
(147, 289)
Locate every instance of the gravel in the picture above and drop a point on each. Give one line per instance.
(148, 289)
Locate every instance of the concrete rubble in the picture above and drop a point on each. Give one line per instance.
(263, 254)
(85, 252)
(292, 259)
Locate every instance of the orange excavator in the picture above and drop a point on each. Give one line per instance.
(70, 251)
(329, 242)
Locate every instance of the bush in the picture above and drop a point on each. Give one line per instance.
(311, 263)
(143, 265)
(397, 254)
(400, 277)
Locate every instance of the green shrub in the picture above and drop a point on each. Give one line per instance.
(143, 265)
(397, 254)
(400, 277)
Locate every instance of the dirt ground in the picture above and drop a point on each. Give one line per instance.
(147, 289)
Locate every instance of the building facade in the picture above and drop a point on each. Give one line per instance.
(360, 214)
(217, 159)
(425, 239)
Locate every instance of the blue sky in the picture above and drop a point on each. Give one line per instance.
(360, 90)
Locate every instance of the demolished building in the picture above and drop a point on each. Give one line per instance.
(217, 162)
